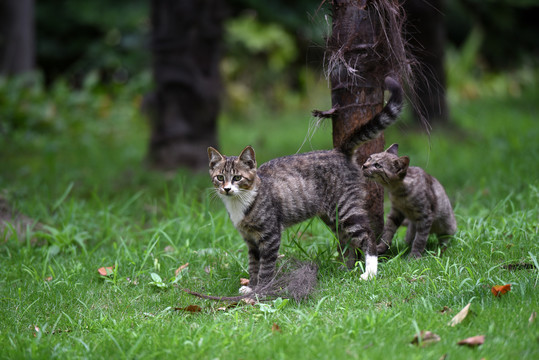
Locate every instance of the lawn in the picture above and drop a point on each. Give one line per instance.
(73, 163)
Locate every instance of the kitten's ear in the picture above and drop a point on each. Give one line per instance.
(402, 164)
(393, 149)
(214, 157)
(247, 156)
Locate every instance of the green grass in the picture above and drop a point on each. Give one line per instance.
(74, 161)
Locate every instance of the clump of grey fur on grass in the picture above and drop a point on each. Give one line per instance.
(293, 279)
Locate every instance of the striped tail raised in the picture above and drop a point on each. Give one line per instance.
(379, 122)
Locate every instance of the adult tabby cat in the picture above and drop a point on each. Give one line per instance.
(414, 195)
(285, 191)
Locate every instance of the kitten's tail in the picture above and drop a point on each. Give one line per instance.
(379, 122)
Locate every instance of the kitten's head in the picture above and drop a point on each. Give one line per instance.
(233, 175)
(386, 167)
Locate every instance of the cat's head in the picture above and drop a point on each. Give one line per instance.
(233, 175)
(386, 167)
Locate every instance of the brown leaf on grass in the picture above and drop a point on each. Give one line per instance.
(275, 328)
(106, 270)
(189, 308)
(457, 319)
(249, 301)
(48, 278)
(532, 318)
(446, 309)
(178, 270)
(425, 338)
(499, 290)
(228, 306)
(244, 282)
(473, 341)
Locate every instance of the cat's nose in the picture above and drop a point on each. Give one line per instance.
(227, 189)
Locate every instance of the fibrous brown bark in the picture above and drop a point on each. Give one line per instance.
(365, 46)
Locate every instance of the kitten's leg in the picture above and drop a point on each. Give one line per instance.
(421, 237)
(394, 220)
(410, 233)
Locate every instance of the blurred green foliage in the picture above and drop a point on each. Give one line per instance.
(78, 37)
(74, 37)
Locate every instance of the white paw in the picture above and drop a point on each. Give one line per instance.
(371, 267)
(244, 290)
(367, 276)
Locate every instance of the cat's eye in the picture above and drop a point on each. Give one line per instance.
(237, 178)
(220, 177)
(376, 165)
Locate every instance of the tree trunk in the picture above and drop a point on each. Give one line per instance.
(186, 43)
(360, 55)
(17, 48)
(426, 35)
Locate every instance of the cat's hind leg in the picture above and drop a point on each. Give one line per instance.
(358, 231)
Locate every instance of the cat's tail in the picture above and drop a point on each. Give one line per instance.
(379, 122)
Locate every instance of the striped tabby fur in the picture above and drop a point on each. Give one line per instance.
(415, 195)
(285, 191)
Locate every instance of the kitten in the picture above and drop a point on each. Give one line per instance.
(415, 195)
(285, 191)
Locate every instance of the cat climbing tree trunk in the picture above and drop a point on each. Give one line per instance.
(365, 46)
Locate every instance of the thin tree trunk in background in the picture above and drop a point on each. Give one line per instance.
(426, 35)
(186, 46)
(17, 36)
(358, 63)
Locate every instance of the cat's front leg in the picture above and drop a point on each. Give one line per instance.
(254, 266)
(394, 220)
(269, 251)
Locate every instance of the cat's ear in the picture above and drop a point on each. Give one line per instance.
(247, 156)
(402, 164)
(214, 156)
(393, 149)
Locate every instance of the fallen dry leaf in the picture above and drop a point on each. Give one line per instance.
(190, 308)
(473, 341)
(275, 328)
(532, 318)
(425, 338)
(106, 271)
(244, 282)
(48, 278)
(180, 269)
(228, 306)
(445, 309)
(249, 301)
(457, 319)
(499, 290)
